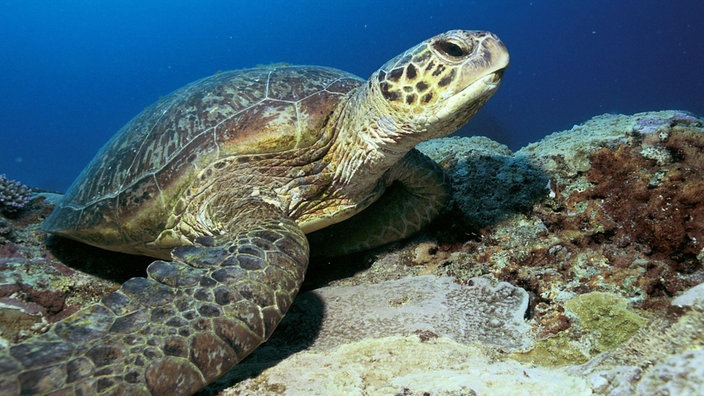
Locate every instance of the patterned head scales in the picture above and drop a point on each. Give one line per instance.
(438, 85)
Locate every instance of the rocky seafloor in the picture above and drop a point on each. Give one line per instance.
(572, 266)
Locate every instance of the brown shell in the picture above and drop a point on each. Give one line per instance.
(260, 110)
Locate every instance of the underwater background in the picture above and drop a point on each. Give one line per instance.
(73, 72)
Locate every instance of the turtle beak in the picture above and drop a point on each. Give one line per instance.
(490, 58)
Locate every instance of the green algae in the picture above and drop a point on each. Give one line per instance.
(600, 322)
(559, 350)
(606, 317)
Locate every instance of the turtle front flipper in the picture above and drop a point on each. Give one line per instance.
(418, 190)
(175, 331)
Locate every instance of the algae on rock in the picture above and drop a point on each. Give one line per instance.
(488, 183)
(606, 317)
(601, 322)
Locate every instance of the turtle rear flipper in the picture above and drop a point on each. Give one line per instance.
(172, 333)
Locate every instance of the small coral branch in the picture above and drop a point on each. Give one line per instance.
(13, 194)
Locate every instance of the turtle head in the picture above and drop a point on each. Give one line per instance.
(429, 91)
(434, 88)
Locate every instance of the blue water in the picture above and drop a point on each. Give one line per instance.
(73, 72)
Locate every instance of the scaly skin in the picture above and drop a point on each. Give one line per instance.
(172, 333)
(224, 177)
(419, 191)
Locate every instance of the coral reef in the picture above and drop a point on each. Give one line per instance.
(611, 219)
(587, 245)
(13, 194)
(636, 214)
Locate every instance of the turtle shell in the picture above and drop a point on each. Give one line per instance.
(142, 170)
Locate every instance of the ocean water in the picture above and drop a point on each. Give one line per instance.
(73, 72)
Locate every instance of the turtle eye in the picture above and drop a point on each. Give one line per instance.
(451, 50)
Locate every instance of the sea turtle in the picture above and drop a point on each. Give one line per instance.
(221, 180)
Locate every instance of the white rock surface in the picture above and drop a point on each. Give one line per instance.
(492, 315)
(690, 297)
(407, 366)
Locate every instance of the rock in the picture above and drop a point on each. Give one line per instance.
(15, 319)
(607, 317)
(690, 297)
(488, 182)
(429, 307)
(406, 366)
(476, 312)
(678, 375)
(601, 322)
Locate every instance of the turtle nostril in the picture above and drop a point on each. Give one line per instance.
(450, 49)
